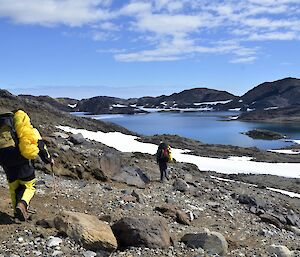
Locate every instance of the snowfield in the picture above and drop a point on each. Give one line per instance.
(232, 165)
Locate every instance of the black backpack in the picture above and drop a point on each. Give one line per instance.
(8, 135)
(164, 154)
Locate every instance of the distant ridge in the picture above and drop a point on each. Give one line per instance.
(277, 94)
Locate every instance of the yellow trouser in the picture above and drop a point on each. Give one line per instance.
(21, 190)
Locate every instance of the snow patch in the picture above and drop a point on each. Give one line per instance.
(271, 108)
(72, 105)
(213, 103)
(291, 194)
(235, 109)
(128, 143)
(292, 151)
(119, 105)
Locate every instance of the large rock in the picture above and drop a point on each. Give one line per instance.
(280, 251)
(132, 176)
(211, 242)
(77, 139)
(180, 185)
(86, 229)
(245, 199)
(149, 232)
(110, 164)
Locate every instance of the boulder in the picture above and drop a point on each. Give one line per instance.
(131, 176)
(86, 229)
(174, 212)
(180, 185)
(110, 164)
(211, 242)
(280, 251)
(77, 139)
(245, 199)
(268, 218)
(151, 232)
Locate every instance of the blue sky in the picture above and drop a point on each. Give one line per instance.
(83, 48)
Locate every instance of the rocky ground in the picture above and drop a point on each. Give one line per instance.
(195, 213)
(249, 218)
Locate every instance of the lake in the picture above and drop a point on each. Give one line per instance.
(207, 127)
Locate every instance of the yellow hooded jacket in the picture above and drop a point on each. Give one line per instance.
(28, 136)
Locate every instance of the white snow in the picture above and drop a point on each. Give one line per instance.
(233, 117)
(271, 108)
(119, 105)
(128, 143)
(292, 151)
(250, 110)
(240, 101)
(213, 103)
(72, 105)
(235, 109)
(291, 194)
(296, 141)
(163, 103)
(176, 109)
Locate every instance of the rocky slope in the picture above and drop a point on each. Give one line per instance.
(277, 94)
(286, 114)
(192, 214)
(203, 216)
(63, 104)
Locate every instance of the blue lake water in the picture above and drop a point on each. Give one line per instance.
(207, 127)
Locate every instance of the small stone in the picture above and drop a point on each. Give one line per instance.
(54, 241)
(57, 253)
(280, 251)
(20, 239)
(89, 254)
(295, 230)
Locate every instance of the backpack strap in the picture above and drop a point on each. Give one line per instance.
(7, 119)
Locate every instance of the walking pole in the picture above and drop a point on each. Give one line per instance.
(55, 187)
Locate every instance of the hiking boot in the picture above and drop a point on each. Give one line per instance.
(21, 211)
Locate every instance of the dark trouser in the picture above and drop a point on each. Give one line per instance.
(163, 170)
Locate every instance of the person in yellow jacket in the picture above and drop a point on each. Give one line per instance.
(20, 144)
(163, 156)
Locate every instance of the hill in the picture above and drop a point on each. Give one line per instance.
(278, 94)
(192, 98)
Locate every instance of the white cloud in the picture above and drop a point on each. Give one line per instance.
(168, 30)
(54, 12)
(275, 36)
(249, 59)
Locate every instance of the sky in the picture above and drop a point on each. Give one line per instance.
(133, 48)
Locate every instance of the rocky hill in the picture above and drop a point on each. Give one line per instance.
(269, 95)
(63, 104)
(193, 98)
